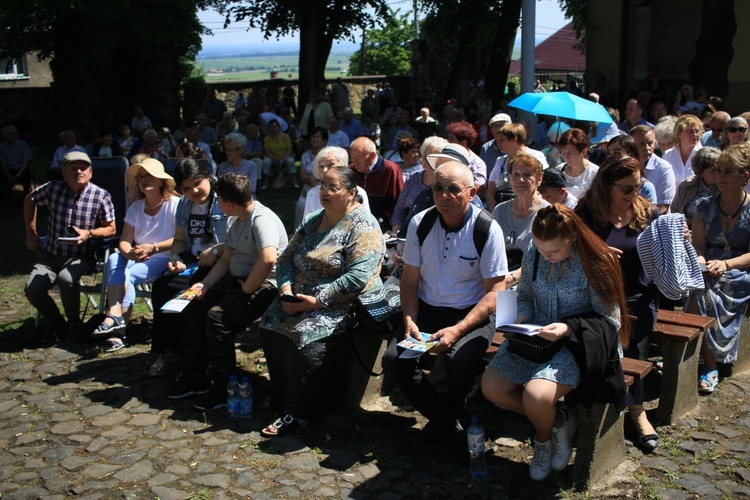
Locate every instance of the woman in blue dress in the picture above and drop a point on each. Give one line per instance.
(575, 275)
(721, 237)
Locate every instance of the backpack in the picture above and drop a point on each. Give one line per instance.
(481, 228)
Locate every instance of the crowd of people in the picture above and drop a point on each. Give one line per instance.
(566, 205)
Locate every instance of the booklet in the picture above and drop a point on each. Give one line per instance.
(180, 301)
(68, 240)
(414, 348)
(506, 313)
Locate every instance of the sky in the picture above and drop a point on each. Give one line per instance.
(549, 18)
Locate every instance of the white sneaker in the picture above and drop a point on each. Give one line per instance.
(541, 467)
(562, 437)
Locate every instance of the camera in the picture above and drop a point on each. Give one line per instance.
(70, 231)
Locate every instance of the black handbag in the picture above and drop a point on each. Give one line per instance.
(533, 348)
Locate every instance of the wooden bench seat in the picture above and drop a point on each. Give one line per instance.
(681, 335)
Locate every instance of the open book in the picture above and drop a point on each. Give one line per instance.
(414, 348)
(506, 313)
(180, 301)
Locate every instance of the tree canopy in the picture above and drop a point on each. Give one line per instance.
(106, 57)
(387, 50)
(319, 23)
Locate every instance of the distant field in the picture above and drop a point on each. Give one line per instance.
(260, 67)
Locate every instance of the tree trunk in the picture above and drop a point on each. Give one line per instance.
(465, 37)
(714, 51)
(496, 75)
(315, 47)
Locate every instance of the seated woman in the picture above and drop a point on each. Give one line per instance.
(279, 154)
(200, 232)
(408, 149)
(318, 140)
(516, 216)
(144, 246)
(721, 237)
(735, 132)
(615, 211)
(333, 257)
(578, 170)
(576, 275)
(700, 185)
(624, 145)
(327, 158)
(234, 146)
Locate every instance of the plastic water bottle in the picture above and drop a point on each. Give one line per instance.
(246, 399)
(233, 397)
(475, 437)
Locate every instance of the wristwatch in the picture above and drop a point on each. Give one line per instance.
(215, 251)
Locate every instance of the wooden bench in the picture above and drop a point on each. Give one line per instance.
(681, 335)
(601, 432)
(601, 429)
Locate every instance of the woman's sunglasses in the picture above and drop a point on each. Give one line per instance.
(626, 190)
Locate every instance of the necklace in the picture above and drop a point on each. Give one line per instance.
(619, 217)
(155, 207)
(738, 209)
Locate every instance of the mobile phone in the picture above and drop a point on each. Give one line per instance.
(71, 232)
(290, 298)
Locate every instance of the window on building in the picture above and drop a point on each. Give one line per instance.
(13, 68)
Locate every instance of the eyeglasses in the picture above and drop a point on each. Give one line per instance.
(626, 190)
(331, 189)
(144, 177)
(453, 189)
(716, 129)
(229, 150)
(736, 129)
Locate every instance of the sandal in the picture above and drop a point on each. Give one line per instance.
(105, 329)
(283, 426)
(649, 441)
(114, 344)
(708, 380)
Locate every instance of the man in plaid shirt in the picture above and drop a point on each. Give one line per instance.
(78, 211)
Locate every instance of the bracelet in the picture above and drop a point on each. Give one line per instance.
(726, 265)
(156, 248)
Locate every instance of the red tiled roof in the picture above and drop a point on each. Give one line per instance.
(556, 53)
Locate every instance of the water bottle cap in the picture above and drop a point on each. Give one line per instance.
(474, 420)
(233, 378)
(245, 379)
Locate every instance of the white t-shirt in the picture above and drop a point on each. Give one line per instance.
(153, 228)
(579, 185)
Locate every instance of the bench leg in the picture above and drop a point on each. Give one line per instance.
(679, 384)
(601, 443)
(361, 387)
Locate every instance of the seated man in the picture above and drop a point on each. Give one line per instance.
(448, 289)
(77, 209)
(236, 292)
(381, 179)
(14, 161)
(68, 139)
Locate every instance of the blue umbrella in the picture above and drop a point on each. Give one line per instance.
(561, 105)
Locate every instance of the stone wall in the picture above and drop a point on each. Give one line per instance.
(358, 87)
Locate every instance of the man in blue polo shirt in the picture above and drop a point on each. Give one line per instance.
(448, 289)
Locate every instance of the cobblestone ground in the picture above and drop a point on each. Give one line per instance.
(74, 421)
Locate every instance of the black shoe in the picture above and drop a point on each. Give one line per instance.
(214, 399)
(189, 386)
